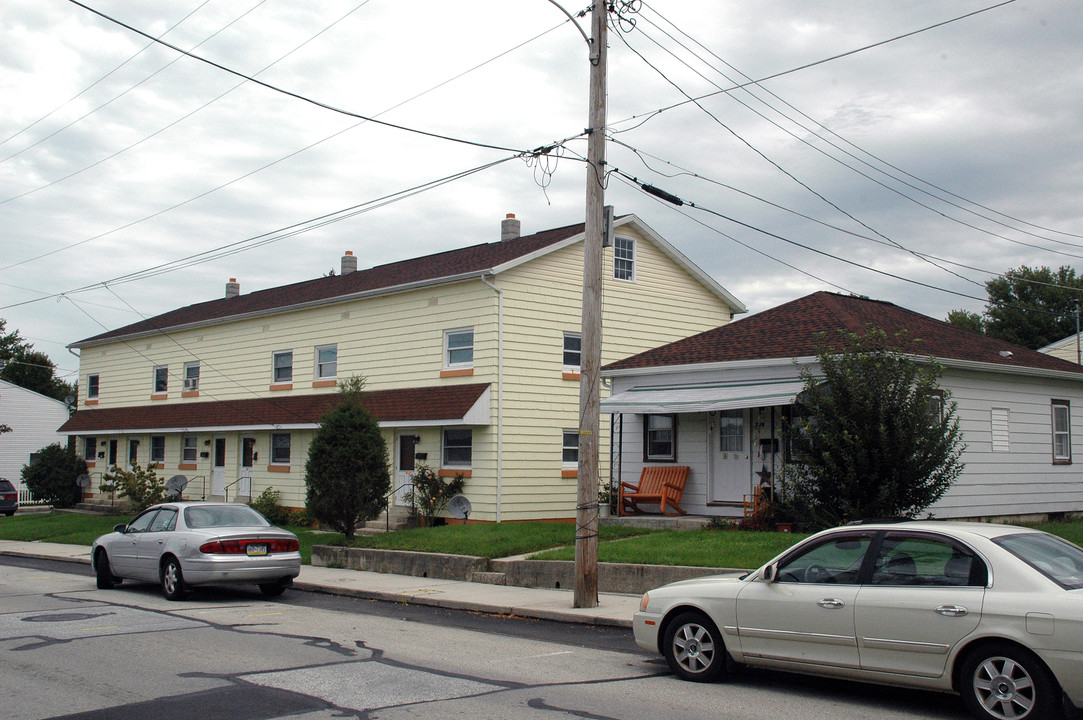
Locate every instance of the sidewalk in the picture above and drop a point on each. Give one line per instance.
(613, 609)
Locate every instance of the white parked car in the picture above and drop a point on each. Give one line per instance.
(182, 544)
(993, 612)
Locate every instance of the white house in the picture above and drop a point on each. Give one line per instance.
(33, 419)
(716, 402)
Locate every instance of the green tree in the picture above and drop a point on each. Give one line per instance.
(874, 436)
(21, 365)
(52, 476)
(346, 475)
(1033, 307)
(968, 320)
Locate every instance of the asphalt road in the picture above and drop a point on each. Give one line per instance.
(70, 651)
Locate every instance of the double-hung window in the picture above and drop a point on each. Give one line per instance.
(570, 454)
(624, 259)
(161, 379)
(92, 387)
(459, 348)
(280, 449)
(90, 449)
(327, 362)
(660, 437)
(189, 449)
(191, 377)
(1062, 432)
(573, 352)
(282, 367)
(157, 448)
(458, 447)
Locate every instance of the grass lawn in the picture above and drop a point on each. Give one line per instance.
(550, 541)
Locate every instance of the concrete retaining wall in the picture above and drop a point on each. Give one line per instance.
(612, 577)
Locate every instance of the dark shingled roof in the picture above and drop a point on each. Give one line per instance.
(792, 330)
(453, 263)
(409, 405)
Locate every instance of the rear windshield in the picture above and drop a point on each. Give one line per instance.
(1057, 559)
(223, 516)
(6, 486)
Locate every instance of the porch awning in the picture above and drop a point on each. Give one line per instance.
(703, 397)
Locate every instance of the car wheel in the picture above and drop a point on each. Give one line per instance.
(104, 576)
(1005, 682)
(172, 580)
(272, 589)
(693, 648)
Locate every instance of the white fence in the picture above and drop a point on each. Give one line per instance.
(27, 498)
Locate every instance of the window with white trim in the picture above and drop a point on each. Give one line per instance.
(189, 449)
(191, 377)
(458, 447)
(1062, 432)
(280, 448)
(282, 367)
(624, 258)
(327, 362)
(459, 348)
(660, 437)
(161, 379)
(157, 448)
(573, 352)
(570, 454)
(92, 386)
(90, 449)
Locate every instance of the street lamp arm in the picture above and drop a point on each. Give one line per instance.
(572, 18)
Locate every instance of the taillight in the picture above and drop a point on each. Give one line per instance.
(9, 496)
(240, 547)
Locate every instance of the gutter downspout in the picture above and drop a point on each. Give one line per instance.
(499, 395)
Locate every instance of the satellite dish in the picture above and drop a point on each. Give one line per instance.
(83, 481)
(459, 507)
(176, 484)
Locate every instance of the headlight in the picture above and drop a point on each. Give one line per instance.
(643, 603)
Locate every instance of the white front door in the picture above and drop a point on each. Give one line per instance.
(404, 465)
(731, 464)
(248, 458)
(218, 473)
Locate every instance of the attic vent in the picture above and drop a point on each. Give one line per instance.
(509, 228)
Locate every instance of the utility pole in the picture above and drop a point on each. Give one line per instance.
(586, 514)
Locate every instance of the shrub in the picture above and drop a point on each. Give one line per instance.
(429, 494)
(142, 487)
(268, 505)
(52, 476)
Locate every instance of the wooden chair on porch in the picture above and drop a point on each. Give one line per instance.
(659, 485)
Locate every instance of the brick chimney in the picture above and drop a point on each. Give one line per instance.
(509, 228)
(349, 263)
(233, 288)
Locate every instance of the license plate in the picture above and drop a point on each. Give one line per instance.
(257, 549)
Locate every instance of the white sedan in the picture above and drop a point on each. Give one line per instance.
(182, 544)
(993, 612)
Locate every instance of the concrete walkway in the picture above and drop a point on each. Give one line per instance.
(613, 609)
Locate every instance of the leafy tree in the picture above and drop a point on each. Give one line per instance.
(968, 320)
(346, 475)
(1032, 307)
(52, 476)
(28, 368)
(142, 487)
(866, 441)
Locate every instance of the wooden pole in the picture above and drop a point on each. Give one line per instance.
(586, 515)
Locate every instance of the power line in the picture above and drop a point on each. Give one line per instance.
(298, 96)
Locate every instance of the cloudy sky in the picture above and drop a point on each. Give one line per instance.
(908, 171)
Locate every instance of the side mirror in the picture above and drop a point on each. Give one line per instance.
(120, 528)
(770, 573)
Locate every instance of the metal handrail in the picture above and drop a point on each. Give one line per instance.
(387, 505)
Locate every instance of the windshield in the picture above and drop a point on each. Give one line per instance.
(1057, 559)
(223, 516)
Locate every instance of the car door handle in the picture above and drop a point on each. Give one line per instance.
(952, 610)
(830, 603)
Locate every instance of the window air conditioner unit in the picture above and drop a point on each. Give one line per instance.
(191, 383)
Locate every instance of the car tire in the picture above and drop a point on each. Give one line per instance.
(272, 589)
(1001, 681)
(173, 586)
(693, 648)
(104, 577)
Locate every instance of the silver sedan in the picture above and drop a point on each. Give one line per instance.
(993, 612)
(183, 544)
